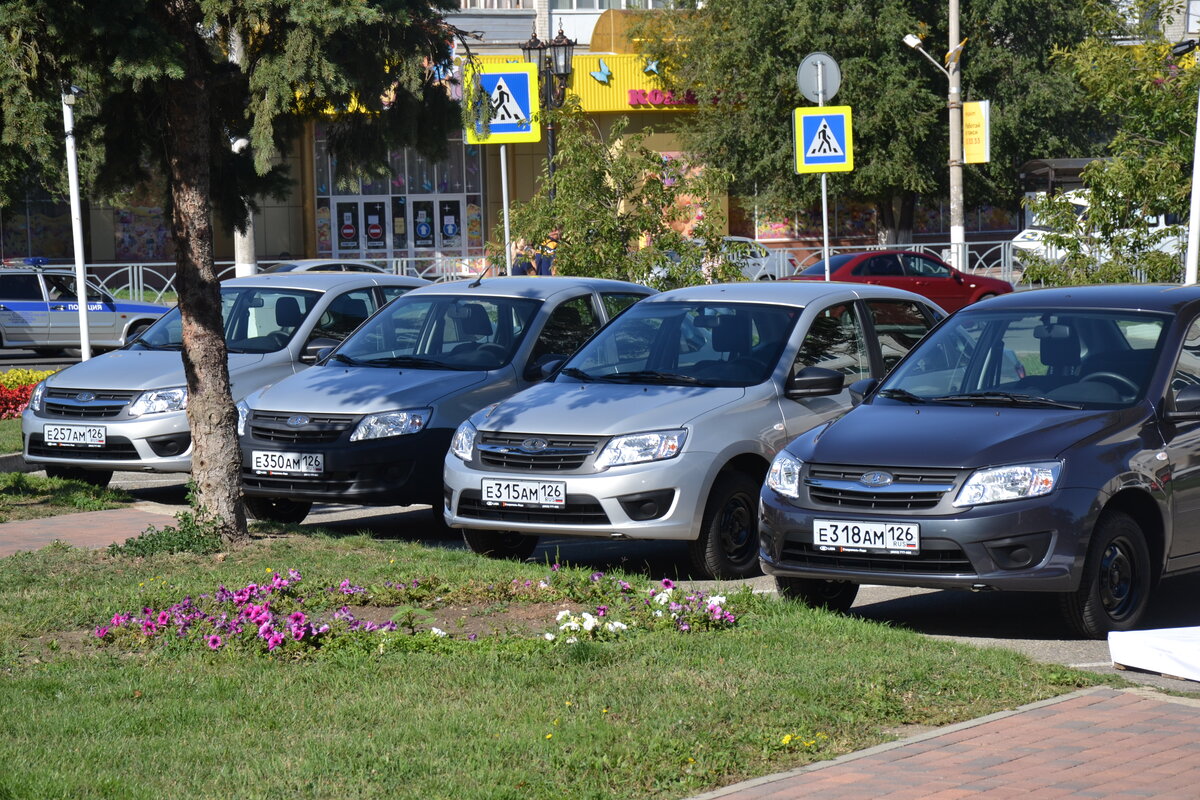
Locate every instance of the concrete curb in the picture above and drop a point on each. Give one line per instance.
(15, 462)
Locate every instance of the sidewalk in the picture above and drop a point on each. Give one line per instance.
(94, 529)
(1095, 743)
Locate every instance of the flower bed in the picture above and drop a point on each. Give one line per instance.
(277, 617)
(15, 387)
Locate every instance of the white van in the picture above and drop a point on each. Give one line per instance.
(1032, 240)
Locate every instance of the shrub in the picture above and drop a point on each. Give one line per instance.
(15, 387)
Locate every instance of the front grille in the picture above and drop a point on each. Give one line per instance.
(117, 447)
(105, 404)
(509, 451)
(329, 482)
(838, 486)
(271, 426)
(579, 510)
(930, 561)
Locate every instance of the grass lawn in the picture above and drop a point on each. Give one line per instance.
(490, 710)
(10, 435)
(25, 496)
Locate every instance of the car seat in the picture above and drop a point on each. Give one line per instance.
(288, 314)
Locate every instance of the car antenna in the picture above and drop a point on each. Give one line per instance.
(479, 279)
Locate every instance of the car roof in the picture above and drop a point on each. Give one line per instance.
(795, 293)
(325, 281)
(308, 263)
(536, 287)
(1169, 298)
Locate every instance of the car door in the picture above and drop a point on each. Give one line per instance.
(64, 312)
(883, 269)
(935, 280)
(893, 328)
(836, 339)
(1183, 452)
(24, 313)
(567, 326)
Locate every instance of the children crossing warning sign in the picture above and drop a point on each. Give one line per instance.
(824, 139)
(512, 98)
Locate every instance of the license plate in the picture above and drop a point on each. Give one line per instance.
(497, 492)
(267, 462)
(74, 435)
(852, 536)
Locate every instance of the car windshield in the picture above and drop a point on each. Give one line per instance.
(458, 332)
(1087, 359)
(835, 262)
(686, 344)
(257, 320)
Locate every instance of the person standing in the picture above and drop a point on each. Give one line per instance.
(522, 259)
(544, 260)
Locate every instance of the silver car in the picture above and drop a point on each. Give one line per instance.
(371, 422)
(664, 425)
(125, 410)
(39, 309)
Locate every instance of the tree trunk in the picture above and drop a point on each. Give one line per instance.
(896, 218)
(216, 461)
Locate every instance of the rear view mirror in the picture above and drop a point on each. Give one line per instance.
(317, 349)
(860, 389)
(544, 366)
(814, 382)
(1187, 404)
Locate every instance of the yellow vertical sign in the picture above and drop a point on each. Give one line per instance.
(977, 132)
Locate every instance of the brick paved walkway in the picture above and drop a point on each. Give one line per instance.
(95, 529)
(1097, 743)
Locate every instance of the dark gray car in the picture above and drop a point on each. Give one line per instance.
(1040, 441)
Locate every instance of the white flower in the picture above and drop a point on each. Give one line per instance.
(658, 613)
(614, 627)
(562, 615)
(569, 625)
(543, 585)
(717, 600)
(572, 640)
(663, 597)
(437, 631)
(549, 637)
(589, 622)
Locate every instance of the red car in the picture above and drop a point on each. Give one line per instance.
(917, 272)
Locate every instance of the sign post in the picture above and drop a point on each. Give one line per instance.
(512, 91)
(823, 136)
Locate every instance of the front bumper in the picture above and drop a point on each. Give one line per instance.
(397, 470)
(1021, 545)
(653, 500)
(153, 443)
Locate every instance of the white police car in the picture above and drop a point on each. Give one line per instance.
(39, 310)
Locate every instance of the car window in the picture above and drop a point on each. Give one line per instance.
(257, 320)
(569, 326)
(475, 332)
(836, 341)
(899, 325)
(1090, 358)
(345, 313)
(1187, 368)
(390, 293)
(879, 266)
(922, 267)
(20, 287)
(710, 344)
(616, 302)
(62, 287)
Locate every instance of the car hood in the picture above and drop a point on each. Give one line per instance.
(133, 370)
(954, 436)
(605, 409)
(361, 390)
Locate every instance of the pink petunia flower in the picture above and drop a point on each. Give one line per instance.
(214, 642)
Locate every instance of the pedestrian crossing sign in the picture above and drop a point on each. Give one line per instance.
(824, 139)
(512, 92)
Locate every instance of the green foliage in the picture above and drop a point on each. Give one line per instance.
(739, 58)
(26, 496)
(622, 211)
(192, 533)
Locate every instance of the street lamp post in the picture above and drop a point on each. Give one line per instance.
(1193, 239)
(81, 294)
(958, 238)
(554, 70)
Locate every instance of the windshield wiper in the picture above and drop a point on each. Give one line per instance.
(901, 394)
(411, 361)
(146, 346)
(651, 376)
(354, 362)
(1005, 398)
(578, 374)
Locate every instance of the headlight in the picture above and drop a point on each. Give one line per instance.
(243, 415)
(35, 398)
(1016, 482)
(638, 447)
(784, 476)
(463, 443)
(391, 423)
(159, 401)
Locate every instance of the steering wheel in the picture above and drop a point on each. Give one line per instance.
(496, 351)
(1114, 377)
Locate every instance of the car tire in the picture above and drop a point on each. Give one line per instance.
(727, 547)
(500, 544)
(831, 595)
(92, 477)
(278, 509)
(1114, 589)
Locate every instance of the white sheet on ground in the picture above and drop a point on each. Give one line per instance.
(1170, 651)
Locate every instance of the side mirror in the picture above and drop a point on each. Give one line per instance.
(860, 389)
(814, 382)
(317, 349)
(544, 366)
(1187, 404)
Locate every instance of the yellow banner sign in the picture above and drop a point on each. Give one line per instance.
(977, 132)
